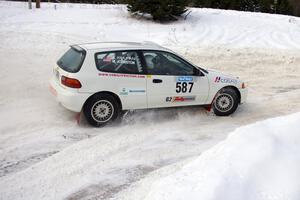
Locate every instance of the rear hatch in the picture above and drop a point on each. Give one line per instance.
(69, 64)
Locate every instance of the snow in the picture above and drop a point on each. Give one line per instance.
(260, 161)
(203, 27)
(44, 154)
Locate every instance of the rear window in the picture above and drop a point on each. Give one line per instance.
(126, 62)
(72, 60)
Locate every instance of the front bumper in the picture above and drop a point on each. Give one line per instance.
(70, 99)
(244, 94)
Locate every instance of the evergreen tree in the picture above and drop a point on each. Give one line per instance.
(284, 7)
(204, 3)
(265, 6)
(235, 5)
(295, 7)
(161, 10)
(198, 3)
(288, 7)
(222, 4)
(250, 5)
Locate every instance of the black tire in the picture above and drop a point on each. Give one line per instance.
(225, 102)
(101, 109)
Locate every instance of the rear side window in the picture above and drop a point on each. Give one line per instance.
(126, 62)
(72, 60)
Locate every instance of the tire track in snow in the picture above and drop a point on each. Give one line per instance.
(7, 167)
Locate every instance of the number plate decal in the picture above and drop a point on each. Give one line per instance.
(184, 87)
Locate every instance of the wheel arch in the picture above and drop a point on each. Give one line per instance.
(234, 88)
(105, 92)
(228, 87)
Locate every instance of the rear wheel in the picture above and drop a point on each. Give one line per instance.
(101, 109)
(225, 102)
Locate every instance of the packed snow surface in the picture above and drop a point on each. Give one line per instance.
(45, 154)
(260, 161)
(202, 27)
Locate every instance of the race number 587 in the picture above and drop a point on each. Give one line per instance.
(183, 87)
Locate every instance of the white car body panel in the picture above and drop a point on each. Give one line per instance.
(137, 91)
(72, 100)
(219, 80)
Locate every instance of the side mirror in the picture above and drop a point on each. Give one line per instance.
(198, 72)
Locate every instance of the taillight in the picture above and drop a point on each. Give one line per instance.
(70, 82)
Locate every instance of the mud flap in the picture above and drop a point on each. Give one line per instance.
(77, 117)
(208, 108)
(80, 119)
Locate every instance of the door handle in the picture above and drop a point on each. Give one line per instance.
(157, 81)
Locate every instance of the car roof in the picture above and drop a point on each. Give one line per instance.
(108, 46)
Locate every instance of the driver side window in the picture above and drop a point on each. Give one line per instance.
(163, 63)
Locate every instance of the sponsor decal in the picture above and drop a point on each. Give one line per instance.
(121, 75)
(184, 79)
(137, 91)
(125, 60)
(123, 92)
(219, 79)
(149, 76)
(120, 60)
(126, 91)
(180, 99)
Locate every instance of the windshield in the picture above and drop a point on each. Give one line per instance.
(72, 60)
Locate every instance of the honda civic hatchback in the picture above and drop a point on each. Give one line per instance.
(103, 79)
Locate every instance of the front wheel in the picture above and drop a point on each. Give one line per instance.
(101, 109)
(225, 102)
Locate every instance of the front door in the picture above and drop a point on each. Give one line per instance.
(171, 81)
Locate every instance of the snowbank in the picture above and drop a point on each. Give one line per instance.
(44, 154)
(203, 27)
(257, 162)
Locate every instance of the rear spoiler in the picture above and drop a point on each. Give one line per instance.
(77, 48)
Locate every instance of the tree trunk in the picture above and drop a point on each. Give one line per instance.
(38, 3)
(29, 4)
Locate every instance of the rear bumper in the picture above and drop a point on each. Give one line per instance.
(71, 100)
(244, 94)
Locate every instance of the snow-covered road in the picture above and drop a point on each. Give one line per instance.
(84, 162)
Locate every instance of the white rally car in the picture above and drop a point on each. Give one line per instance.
(104, 79)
